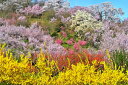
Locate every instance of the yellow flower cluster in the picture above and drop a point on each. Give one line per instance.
(22, 72)
(86, 74)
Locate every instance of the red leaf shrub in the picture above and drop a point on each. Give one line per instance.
(84, 57)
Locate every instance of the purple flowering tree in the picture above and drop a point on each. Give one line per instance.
(106, 11)
(29, 40)
(34, 10)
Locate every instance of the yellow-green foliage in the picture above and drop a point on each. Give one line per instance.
(44, 21)
(22, 72)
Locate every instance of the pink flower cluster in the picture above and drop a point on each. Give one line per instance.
(82, 43)
(70, 42)
(59, 41)
(79, 43)
(34, 10)
(76, 46)
(71, 51)
(22, 18)
(64, 34)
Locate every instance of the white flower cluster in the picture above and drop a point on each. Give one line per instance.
(13, 4)
(56, 4)
(83, 22)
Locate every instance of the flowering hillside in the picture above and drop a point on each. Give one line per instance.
(47, 42)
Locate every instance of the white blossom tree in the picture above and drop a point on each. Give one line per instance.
(56, 4)
(13, 5)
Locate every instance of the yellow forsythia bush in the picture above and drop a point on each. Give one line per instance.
(12, 71)
(23, 72)
(85, 74)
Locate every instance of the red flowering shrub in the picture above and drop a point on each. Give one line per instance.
(91, 57)
(73, 58)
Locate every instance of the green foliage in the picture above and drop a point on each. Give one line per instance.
(44, 21)
(23, 23)
(47, 15)
(120, 59)
(4, 14)
(1, 1)
(3, 83)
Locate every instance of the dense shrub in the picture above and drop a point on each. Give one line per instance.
(2, 22)
(86, 74)
(120, 59)
(83, 22)
(112, 36)
(114, 42)
(85, 57)
(22, 71)
(46, 72)
(52, 4)
(66, 46)
(13, 5)
(29, 39)
(32, 11)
